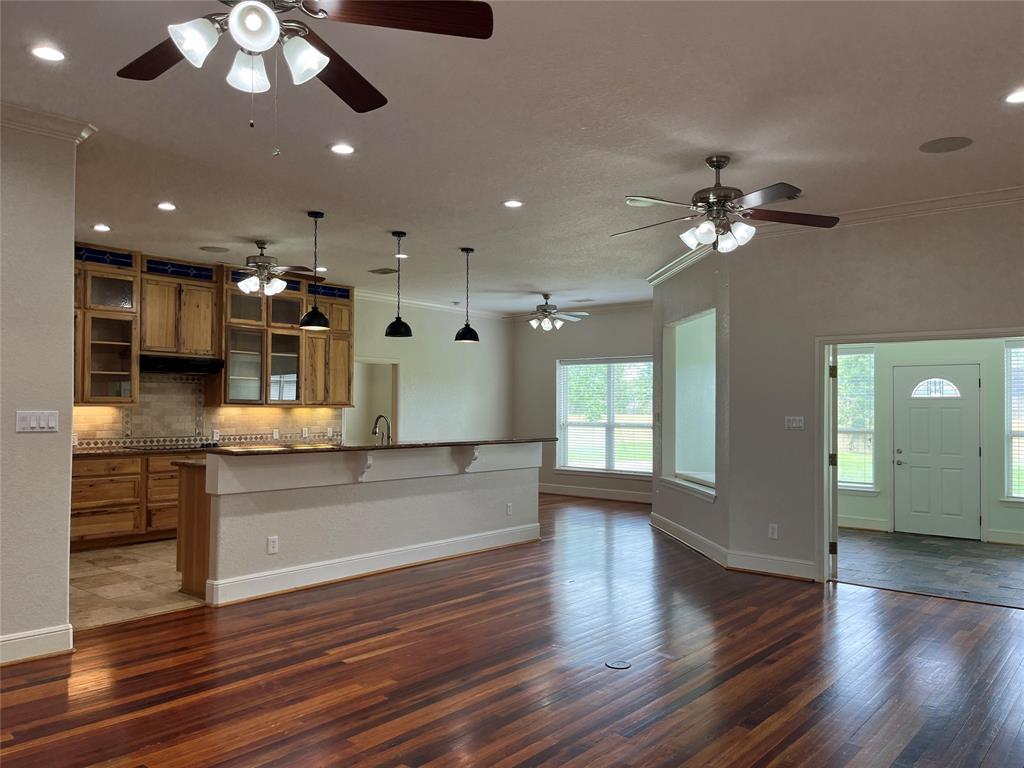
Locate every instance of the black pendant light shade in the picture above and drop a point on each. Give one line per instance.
(466, 332)
(315, 320)
(398, 328)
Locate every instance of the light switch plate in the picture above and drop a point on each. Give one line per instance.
(36, 421)
(795, 422)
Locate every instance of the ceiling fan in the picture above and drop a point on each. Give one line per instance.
(547, 316)
(725, 208)
(265, 273)
(255, 27)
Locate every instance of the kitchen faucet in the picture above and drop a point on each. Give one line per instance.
(385, 436)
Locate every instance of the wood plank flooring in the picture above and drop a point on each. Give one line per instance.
(497, 659)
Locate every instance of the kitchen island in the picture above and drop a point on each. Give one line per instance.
(275, 518)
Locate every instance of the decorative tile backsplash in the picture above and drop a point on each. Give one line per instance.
(170, 412)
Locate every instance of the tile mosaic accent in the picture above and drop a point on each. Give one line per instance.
(190, 271)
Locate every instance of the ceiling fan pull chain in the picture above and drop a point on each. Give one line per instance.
(252, 93)
(277, 149)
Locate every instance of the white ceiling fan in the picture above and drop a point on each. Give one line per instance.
(548, 317)
(265, 272)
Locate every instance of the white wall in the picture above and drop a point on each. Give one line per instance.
(959, 270)
(37, 206)
(608, 332)
(1001, 521)
(446, 390)
(371, 395)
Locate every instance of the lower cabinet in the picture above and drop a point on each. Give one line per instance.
(124, 499)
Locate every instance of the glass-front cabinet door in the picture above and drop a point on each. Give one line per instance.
(244, 365)
(283, 383)
(110, 347)
(111, 292)
(286, 309)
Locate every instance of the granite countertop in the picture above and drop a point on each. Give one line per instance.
(268, 450)
(99, 453)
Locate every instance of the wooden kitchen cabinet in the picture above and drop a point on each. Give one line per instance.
(111, 291)
(315, 378)
(328, 369)
(197, 320)
(159, 314)
(178, 317)
(110, 358)
(243, 366)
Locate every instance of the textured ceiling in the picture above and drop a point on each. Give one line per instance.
(569, 107)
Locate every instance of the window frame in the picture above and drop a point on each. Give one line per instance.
(871, 487)
(1010, 434)
(609, 425)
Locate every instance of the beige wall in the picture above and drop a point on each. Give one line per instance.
(37, 206)
(946, 272)
(608, 332)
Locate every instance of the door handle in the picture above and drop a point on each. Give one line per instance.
(899, 462)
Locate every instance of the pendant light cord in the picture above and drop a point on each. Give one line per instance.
(316, 227)
(398, 311)
(467, 287)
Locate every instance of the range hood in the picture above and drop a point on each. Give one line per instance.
(175, 364)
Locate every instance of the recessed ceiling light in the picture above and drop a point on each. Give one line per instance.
(166, 205)
(342, 149)
(513, 204)
(214, 248)
(101, 227)
(945, 144)
(321, 269)
(46, 53)
(1017, 97)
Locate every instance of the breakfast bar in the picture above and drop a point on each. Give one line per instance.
(255, 520)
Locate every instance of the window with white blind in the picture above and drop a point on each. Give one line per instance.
(1015, 419)
(695, 393)
(605, 418)
(856, 424)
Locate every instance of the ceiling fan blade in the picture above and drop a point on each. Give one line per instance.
(642, 201)
(772, 194)
(342, 78)
(153, 62)
(280, 269)
(563, 316)
(648, 226)
(576, 314)
(792, 217)
(462, 18)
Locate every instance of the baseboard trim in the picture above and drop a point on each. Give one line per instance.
(238, 588)
(582, 491)
(771, 565)
(863, 523)
(47, 641)
(696, 542)
(1004, 537)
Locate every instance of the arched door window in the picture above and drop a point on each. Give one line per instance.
(935, 388)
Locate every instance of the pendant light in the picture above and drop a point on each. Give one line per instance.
(315, 320)
(466, 332)
(398, 328)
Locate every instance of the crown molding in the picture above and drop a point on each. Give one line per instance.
(389, 298)
(973, 200)
(44, 123)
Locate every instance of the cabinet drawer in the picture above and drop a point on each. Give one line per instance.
(127, 465)
(162, 487)
(106, 522)
(162, 518)
(87, 493)
(166, 463)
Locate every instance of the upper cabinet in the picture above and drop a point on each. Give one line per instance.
(179, 308)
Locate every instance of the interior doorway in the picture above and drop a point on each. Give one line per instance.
(922, 454)
(374, 392)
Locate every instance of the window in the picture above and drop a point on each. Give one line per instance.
(1015, 419)
(605, 415)
(695, 399)
(935, 388)
(856, 425)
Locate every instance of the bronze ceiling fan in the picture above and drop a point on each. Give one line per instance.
(725, 208)
(254, 26)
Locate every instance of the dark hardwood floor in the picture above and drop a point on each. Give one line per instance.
(497, 659)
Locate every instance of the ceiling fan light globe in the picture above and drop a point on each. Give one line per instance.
(304, 61)
(248, 74)
(251, 284)
(727, 243)
(705, 232)
(690, 238)
(743, 232)
(546, 324)
(534, 322)
(254, 26)
(558, 323)
(195, 39)
(275, 286)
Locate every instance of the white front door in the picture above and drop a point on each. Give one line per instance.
(936, 450)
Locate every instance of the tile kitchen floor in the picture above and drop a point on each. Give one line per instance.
(124, 583)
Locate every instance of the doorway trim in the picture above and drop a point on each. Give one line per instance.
(826, 523)
(395, 399)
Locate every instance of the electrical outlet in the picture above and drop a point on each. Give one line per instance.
(272, 545)
(330, 431)
(305, 431)
(277, 434)
(794, 422)
(508, 510)
(216, 435)
(74, 439)
(773, 530)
